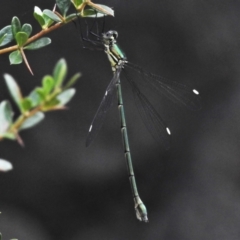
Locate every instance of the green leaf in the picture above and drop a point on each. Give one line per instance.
(107, 9)
(41, 93)
(48, 21)
(50, 104)
(59, 72)
(16, 26)
(2, 39)
(21, 38)
(38, 11)
(13, 89)
(38, 15)
(27, 28)
(26, 104)
(66, 96)
(32, 121)
(6, 35)
(42, 42)
(51, 15)
(42, 18)
(71, 17)
(72, 80)
(5, 166)
(6, 115)
(15, 57)
(63, 5)
(48, 84)
(77, 3)
(92, 13)
(34, 97)
(103, 9)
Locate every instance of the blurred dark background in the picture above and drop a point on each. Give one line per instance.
(59, 189)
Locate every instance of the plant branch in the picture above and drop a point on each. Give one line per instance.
(35, 37)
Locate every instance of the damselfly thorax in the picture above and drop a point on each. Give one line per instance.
(115, 56)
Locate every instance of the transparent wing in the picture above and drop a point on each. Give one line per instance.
(152, 120)
(174, 91)
(103, 108)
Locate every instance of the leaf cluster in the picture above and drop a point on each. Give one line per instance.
(48, 20)
(53, 94)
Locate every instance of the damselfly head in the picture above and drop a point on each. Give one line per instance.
(110, 36)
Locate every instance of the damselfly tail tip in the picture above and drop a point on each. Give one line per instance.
(195, 91)
(145, 219)
(141, 210)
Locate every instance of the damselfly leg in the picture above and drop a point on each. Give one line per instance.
(90, 40)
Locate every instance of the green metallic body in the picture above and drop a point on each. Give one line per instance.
(117, 60)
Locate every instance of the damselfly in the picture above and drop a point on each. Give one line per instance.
(154, 123)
